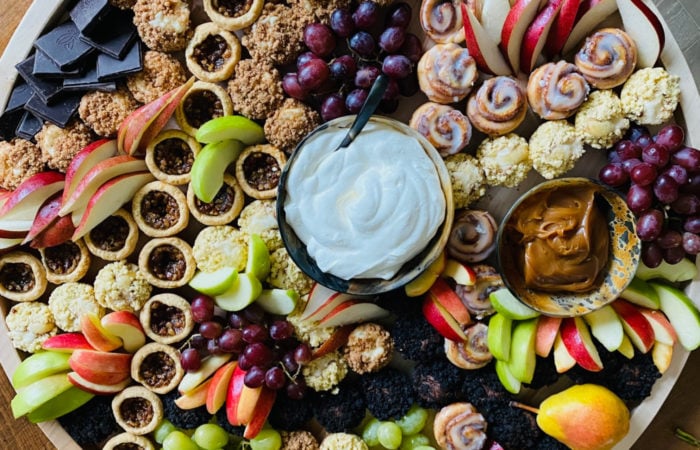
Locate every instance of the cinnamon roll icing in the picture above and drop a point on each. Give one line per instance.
(442, 20)
(460, 426)
(445, 127)
(607, 58)
(556, 90)
(498, 107)
(446, 73)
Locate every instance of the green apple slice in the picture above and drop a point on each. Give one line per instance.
(498, 337)
(60, 405)
(38, 366)
(241, 294)
(640, 293)
(682, 314)
(522, 350)
(214, 283)
(606, 327)
(504, 302)
(230, 127)
(207, 174)
(505, 376)
(278, 301)
(258, 263)
(682, 271)
(36, 394)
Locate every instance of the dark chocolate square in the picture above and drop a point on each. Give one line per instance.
(115, 38)
(29, 126)
(8, 124)
(88, 82)
(19, 96)
(63, 45)
(109, 68)
(46, 89)
(45, 67)
(88, 14)
(59, 113)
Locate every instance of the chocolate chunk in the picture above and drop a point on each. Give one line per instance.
(109, 68)
(29, 126)
(45, 67)
(63, 45)
(88, 82)
(8, 124)
(47, 90)
(115, 39)
(59, 113)
(88, 14)
(20, 95)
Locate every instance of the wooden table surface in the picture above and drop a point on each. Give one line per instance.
(682, 408)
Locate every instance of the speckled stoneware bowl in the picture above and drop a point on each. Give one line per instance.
(367, 286)
(625, 250)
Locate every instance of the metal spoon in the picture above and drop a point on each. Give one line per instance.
(373, 98)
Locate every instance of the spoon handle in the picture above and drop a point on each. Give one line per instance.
(373, 98)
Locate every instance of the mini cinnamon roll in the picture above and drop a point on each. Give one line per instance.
(476, 297)
(498, 107)
(607, 58)
(444, 126)
(473, 236)
(460, 426)
(66, 262)
(446, 73)
(473, 353)
(442, 20)
(556, 90)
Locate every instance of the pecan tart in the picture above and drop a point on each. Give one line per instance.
(170, 155)
(167, 262)
(66, 262)
(166, 318)
(22, 277)
(115, 238)
(233, 15)
(202, 102)
(128, 441)
(160, 209)
(212, 53)
(225, 207)
(157, 367)
(137, 410)
(258, 170)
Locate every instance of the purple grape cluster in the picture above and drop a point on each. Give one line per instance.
(663, 179)
(264, 345)
(346, 57)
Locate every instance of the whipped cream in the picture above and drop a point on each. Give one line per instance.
(367, 209)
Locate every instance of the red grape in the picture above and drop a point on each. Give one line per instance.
(296, 389)
(614, 157)
(362, 43)
(253, 313)
(366, 76)
(243, 362)
(302, 354)
(399, 15)
(313, 74)
(392, 39)
(635, 132)
(674, 255)
(190, 360)
(670, 239)
(342, 23)
(652, 254)
(231, 340)
(254, 333)
(235, 320)
(639, 198)
(392, 90)
(628, 150)
(355, 99)
(691, 243)
(687, 157)
(202, 307)
(630, 164)
(692, 224)
(613, 175)
(666, 189)
(275, 378)
(213, 347)
(678, 173)
(254, 377)
(258, 354)
(686, 204)
(305, 58)
(343, 68)
(198, 342)
(333, 106)
(290, 363)
(412, 48)
(319, 39)
(210, 329)
(643, 174)
(656, 154)
(650, 225)
(281, 329)
(291, 86)
(671, 136)
(397, 66)
(644, 140)
(366, 15)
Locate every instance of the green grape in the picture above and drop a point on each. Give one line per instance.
(164, 428)
(177, 440)
(414, 420)
(210, 436)
(413, 441)
(424, 447)
(389, 435)
(267, 439)
(369, 432)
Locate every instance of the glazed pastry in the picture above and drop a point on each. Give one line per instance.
(258, 170)
(473, 353)
(160, 209)
(137, 410)
(66, 262)
(212, 53)
(556, 90)
(170, 155)
(442, 20)
(446, 73)
(233, 15)
(498, 107)
(473, 236)
(167, 262)
(476, 297)
(444, 126)
(22, 277)
(202, 102)
(114, 238)
(460, 426)
(607, 58)
(166, 318)
(226, 206)
(157, 367)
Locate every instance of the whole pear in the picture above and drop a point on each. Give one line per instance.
(584, 417)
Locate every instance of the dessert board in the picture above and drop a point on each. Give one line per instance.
(498, 200)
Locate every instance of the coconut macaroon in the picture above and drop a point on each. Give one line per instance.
(260, 217)
(369, 348)
(104, 112)
(601, 122)
(120, 286)
(19, 160)
(220, 246)
(163, 25)
(505, 160)
(284, 274)
(343, 441)
(70, 301)
(467, 177)
(554, 148)
(650, 96)
(59, 145)
(29, 324)
(161, 73)
(326, 372)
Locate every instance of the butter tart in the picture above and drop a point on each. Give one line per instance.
(157, 367)
(258, 170)
(66, 262)
(225, 207)
(170, 155)
(22, 277)
(233, 15)
(114, 238)
(167, 262)
(212, 53)
(202, 102)
(137, 410)
(167, 318)
(128, 441)
(160, 209)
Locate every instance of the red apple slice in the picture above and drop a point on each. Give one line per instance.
(95, 388)
(26, 200)
(590, 14)
(338, 339)
(645, 29)
(442, 321)
(246, 404)
(547, 330)
(493, 16)
(636, 326)
(321, 301)
(536, 34)
(58, 232)
(195, 398)
(562, 26)
(563, 361)
(459, 272)
(85, 160)
(67, 343)
(421, 284)
(262, 409)
(47, 214)
(126, 326)
(442, 293)
(663, 330)
(579, 343)
(353, 311)
(233, 395)
(101, 367)
(519, 18)
(482, 48)
(216, 394)
(96, 334)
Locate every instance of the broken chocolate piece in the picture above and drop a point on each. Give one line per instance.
(47, 90)
(109, 68)
(8, 124)
(29, 126)
(58, 113)
(88, 82)
(19, 96)
(45, 67)
(88, 14)
(63, 45)
(115, 39)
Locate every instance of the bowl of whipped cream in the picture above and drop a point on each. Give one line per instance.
(367, 218)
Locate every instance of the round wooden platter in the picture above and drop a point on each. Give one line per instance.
(45, 12)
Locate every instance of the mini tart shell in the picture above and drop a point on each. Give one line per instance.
(157, 367)
(170, 228)
(255, 151)
(225, 107)
(184, 160)
(233, 23)
(224, 217)
(166, 318)
(38, 276)
(130, 240)
(145, 402)
(128, 441)
(76, 270)
(164, 248)
(231, 54)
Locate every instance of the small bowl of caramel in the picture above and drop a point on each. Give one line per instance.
(568, 246)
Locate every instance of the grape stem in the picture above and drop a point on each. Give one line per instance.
(687, 437)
